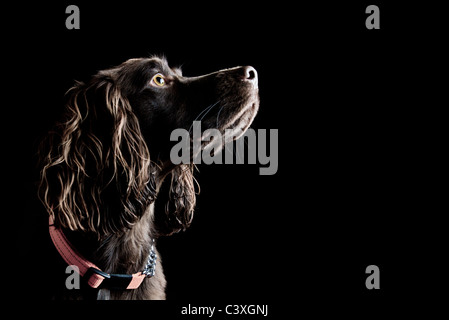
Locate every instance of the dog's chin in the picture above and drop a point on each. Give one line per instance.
(237, 126)
(234, 128)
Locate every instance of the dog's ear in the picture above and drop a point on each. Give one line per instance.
(176, 201)
(96, 173)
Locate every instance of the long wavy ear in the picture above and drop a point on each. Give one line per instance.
(96, 171)
(176, 201)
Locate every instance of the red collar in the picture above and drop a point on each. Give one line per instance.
(94, 276)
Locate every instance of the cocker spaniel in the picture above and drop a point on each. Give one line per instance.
(105, 162)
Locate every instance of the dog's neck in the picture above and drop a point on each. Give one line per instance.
(124, 252)
(127, 252)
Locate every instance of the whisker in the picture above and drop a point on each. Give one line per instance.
(203, 113)
(199, 115)
(209, 110)
(218, 115)
(237, 154)
(226, 145)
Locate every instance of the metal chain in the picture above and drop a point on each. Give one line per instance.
(150, 267)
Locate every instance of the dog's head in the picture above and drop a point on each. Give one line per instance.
(97, 172)
(164, 100)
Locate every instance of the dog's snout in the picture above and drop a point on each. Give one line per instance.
(250, 73)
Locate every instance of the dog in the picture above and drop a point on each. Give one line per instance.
(106, 179)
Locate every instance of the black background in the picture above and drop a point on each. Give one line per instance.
(345, 195)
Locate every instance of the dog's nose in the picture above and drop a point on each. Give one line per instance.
(250, 74)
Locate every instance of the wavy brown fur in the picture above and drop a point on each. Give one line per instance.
(97, 177)
(81, 165)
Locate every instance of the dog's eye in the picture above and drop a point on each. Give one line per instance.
(158, 80)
